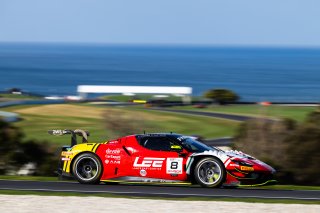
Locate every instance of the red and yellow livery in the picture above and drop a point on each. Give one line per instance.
(158, 158)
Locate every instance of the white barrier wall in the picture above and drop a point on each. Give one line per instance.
(135, 89)
(184, 92)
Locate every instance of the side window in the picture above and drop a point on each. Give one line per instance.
(157, 143)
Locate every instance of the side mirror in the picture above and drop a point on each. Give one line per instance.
(176, 148)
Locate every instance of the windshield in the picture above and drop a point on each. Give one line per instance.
(193, 145)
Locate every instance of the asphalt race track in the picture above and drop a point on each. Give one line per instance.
(209, 114)
(158, 191)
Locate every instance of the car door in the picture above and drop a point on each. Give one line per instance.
(157, 159)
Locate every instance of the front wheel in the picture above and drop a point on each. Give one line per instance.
(87, 168)
(210, 172)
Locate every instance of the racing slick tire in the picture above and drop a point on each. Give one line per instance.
(210, 172)
(87, 168)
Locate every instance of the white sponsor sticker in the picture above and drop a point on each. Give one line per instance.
(143, 172)
(174, 165)
(115, 157)
(58, 132)
(112, 161)
(65, 159)
(112, 151)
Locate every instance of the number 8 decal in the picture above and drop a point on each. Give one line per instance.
(174, 165)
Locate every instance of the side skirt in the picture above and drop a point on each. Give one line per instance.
(139, 180)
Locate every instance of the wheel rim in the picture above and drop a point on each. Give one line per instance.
(86, 168)
(209, 172)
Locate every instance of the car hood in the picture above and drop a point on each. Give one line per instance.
(227, 156)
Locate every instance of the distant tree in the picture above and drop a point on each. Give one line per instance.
(303, 154)
(15, 151)
(291, 148)
(314, 117)
(222, 96)
(304, 150)
(41, 153)
(10, 137)
(264, 139)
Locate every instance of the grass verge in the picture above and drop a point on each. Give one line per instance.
(31, 178)
(37, 119)
(283, 187)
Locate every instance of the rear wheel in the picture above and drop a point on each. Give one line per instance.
(210, 172)
(87, 168)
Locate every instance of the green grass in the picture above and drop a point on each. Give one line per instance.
(295, 112)
(284, 187)
(36, 126)
(31, 178)
(191, 124)
(36, 120)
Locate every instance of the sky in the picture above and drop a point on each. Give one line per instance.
(170, 22)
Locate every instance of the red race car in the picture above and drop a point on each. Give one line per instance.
(158, 158)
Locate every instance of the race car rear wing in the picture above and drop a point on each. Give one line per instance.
(84, 134)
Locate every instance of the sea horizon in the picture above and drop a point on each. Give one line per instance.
(255, 73)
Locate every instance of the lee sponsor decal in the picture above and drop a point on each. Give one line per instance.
(148, 162)
(246, 168)
(174, 165)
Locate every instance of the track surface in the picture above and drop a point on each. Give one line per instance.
(209, 114)
(158, 191)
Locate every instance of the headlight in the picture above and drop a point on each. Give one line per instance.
(241, 163)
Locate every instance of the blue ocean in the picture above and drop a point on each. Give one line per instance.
(256, 74)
